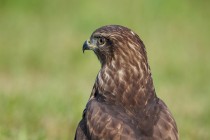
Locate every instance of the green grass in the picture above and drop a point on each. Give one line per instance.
(45, 80)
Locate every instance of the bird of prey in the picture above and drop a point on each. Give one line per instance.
(123, 104)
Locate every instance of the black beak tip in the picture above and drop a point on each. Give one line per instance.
(85, 46)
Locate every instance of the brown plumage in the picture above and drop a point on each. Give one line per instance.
(123, 104)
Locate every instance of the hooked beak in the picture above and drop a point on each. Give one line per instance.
(88, 46)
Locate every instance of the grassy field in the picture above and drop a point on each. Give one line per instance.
(45, 80)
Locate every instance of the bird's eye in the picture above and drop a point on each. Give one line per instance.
(101, 41)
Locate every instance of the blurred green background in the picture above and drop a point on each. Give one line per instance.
(45, 80)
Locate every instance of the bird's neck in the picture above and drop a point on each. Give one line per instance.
(121, 83)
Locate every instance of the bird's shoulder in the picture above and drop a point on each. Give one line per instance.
(165, 127)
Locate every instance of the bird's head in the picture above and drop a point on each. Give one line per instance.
(115, 42)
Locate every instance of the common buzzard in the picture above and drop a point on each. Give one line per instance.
(123, 104)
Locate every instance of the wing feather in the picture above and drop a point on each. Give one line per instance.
(81, 131)
(165, 127)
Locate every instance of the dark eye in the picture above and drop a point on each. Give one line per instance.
(101, 41)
